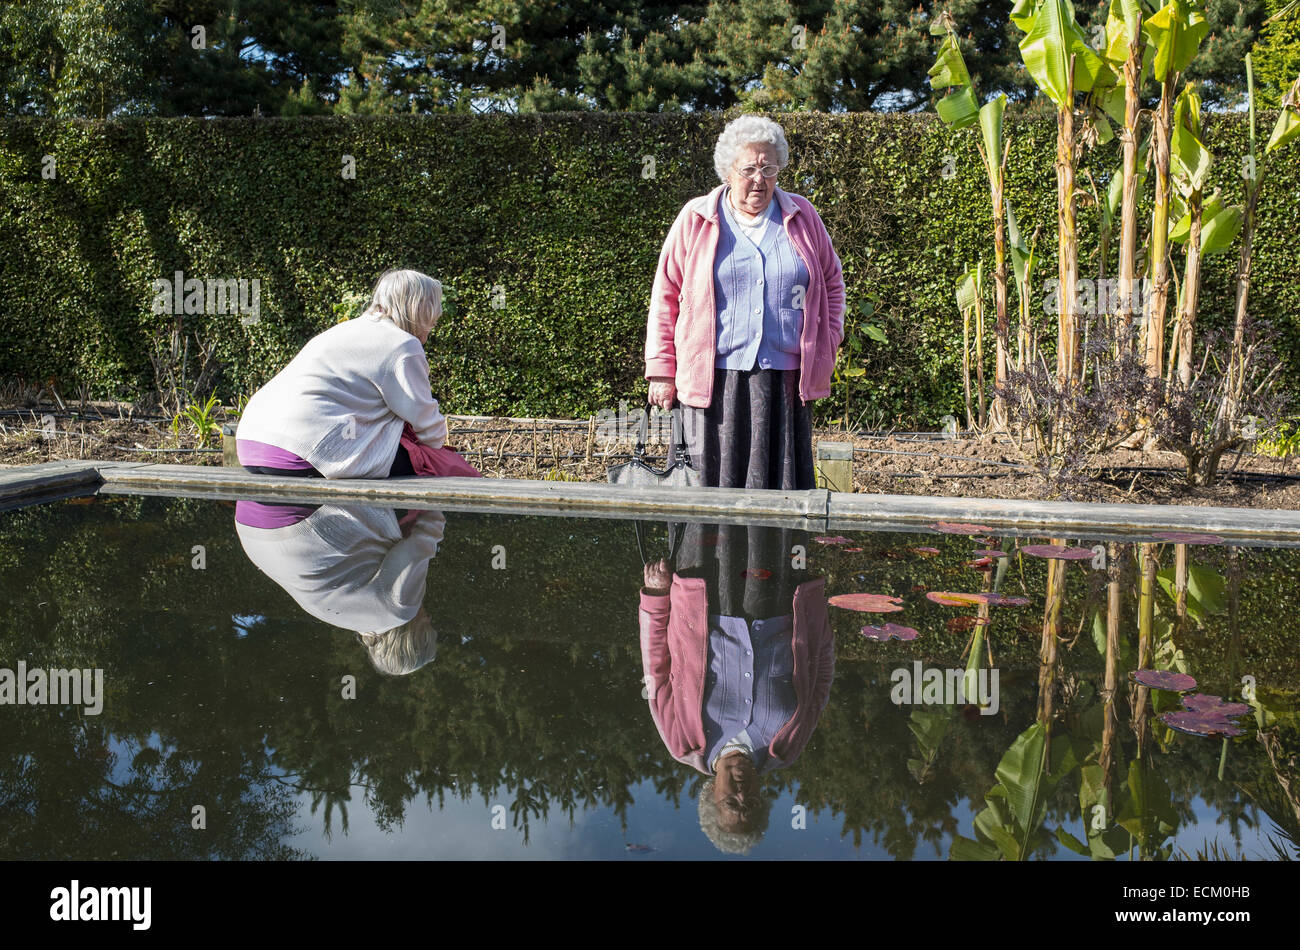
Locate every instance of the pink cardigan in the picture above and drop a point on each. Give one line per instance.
(681, 335)
(674, 660)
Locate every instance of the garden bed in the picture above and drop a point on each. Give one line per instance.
(571, 450)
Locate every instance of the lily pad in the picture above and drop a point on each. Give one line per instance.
(851, 550)
(1200, 724)
(758, 573)
(1205, 703)
(890, 631)
(867, 603)
(989, 552)
(926, 551)
(1163, 679)
(959, 527)
(832, 539)
(1182, 537)
(981, 564)
(1059, 552)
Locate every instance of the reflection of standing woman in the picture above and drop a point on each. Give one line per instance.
(746, 314)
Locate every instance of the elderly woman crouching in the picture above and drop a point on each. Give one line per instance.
(746, 315)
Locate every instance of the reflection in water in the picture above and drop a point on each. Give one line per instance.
(222, 691)
(359, 568)
(738, 658)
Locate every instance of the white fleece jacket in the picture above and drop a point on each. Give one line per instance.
(341, 402)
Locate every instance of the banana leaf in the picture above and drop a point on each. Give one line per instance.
(967, 290)
(1207, 591)
(1123, 19)
(1288, 122)
(1053, 36)
(990, 117)
(1022, 255)
(1175, 32)
(1189, 159)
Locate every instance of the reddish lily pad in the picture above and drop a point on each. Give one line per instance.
(1163, 679)
(926, 551)
(1059, 552)
(989, 552)
(981, 564)
(1006, 600)
(851, 550)
(890, 631)
(867, 603)
(1200, 724)
(959, 527)
(1183, 537)
(758, 573)
(832, 539)
(1205, 703)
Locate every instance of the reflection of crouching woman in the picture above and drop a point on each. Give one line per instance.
(359, 568)
(338, 409)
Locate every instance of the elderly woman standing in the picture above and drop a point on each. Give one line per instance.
(746, 314)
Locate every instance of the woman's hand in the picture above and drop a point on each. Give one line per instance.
(663, 392)
(658, 575)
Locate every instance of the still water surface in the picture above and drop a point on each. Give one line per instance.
(359, 682)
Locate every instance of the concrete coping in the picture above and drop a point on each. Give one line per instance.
(816, 509)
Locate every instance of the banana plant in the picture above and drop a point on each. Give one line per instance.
(1127, 53)
(1174, 33)
(960, 108)
(1062, 64)
(970, 301)
(1190, 163)
(1011, 824)
(1022, 267)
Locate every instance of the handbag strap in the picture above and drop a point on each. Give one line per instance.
(675, 533)
(677, 448)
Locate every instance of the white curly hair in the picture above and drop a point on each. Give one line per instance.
(748, 130)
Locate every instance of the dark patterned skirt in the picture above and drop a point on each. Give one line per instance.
(756, 433)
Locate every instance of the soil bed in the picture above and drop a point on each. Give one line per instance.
(574, 451)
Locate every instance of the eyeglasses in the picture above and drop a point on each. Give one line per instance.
(769, 171)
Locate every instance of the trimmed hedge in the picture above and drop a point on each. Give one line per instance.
(558, 210)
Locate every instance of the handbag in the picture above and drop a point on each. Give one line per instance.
(678, 472)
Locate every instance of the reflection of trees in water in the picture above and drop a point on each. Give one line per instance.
(538, 711)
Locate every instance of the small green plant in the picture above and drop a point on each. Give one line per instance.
(201, 418)
(560, 475)
(1282, 441)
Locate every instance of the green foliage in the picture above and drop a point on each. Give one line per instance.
(202, 420)
(1276, 54)
(553, 209)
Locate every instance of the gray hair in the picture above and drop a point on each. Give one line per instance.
(731, 842)
(748, 130)
(403, 649)
(408, 299)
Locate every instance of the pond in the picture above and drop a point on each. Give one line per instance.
(198, 679)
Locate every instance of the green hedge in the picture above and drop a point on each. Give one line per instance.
(556, 209)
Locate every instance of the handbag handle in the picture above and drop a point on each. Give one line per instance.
(675, 532)
(677, 448)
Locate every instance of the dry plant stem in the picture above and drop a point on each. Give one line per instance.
(1146, 622)
(1180, 581)
(1001, 325)
(1110, 689)
(1160, 231)
(1051, 633)
(1191, 294)
(1067, 238)
(979, 359)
